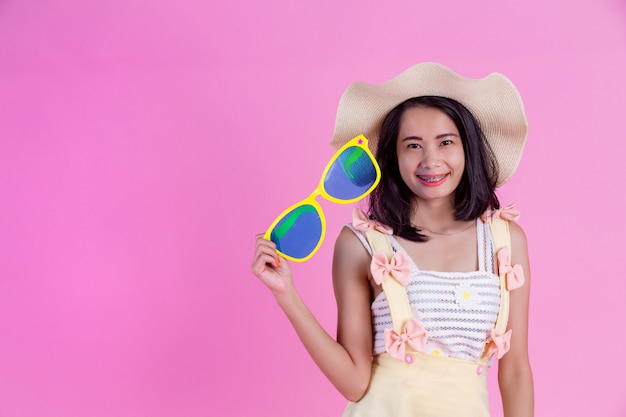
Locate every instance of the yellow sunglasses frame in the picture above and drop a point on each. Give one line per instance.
(359, 141)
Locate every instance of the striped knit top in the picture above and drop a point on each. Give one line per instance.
(457, 309)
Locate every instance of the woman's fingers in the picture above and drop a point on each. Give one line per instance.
(267, 265)
(263, 262)
(265, 253)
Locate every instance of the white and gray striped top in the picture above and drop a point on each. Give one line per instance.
(457, 309)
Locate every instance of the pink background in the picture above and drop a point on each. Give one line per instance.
(143, 144)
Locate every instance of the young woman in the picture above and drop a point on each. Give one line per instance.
(443, 143)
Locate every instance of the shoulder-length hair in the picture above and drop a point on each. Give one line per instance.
(391, 202)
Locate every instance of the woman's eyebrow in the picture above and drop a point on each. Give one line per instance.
(411, 138)
(443, 135)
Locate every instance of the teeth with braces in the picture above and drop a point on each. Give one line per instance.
(432, 179)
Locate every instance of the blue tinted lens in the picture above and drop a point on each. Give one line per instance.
(298, 232)
(351, 175)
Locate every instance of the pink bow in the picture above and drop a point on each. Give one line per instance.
(514, 274)
(507, 213)
(414, 335)
(362, 223)
(500, 343)
(399, 268)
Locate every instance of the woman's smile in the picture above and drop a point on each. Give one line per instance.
(433, 180)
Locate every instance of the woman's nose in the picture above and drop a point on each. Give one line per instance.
(432, 158)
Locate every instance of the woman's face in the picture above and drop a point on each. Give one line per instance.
(430, 153)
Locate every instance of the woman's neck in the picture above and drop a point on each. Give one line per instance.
(438, 217)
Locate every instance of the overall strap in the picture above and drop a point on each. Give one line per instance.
(397, 298)
(501, 237)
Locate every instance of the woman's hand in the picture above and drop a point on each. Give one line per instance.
(270, 268)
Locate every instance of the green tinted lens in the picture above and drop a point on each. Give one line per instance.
(298, 233)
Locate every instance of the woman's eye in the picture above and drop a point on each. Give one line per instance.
(414, 146)
(446, 142)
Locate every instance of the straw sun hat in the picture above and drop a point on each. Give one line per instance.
(494, 101)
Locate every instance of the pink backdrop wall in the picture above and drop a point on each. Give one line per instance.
(144, 143)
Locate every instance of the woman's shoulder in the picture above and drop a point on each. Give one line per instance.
(354, 235)
(519, 248)
(519, 245)
(351, 258)
(512, 215)
(350, 242)
(517, 232)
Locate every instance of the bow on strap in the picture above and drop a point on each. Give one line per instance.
(514, 274)
(399, 268)
(507, 213)
(362, 223)
(500, 343)
(414, 335)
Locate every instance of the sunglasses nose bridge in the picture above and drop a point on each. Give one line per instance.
(314, 194)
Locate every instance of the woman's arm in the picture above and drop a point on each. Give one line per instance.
(514, 374)
(347, 361)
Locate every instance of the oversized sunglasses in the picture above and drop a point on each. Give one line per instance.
(350, 175)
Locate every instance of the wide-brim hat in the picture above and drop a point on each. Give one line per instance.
(493, 101)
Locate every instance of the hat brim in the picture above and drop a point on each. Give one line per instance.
(493, 100)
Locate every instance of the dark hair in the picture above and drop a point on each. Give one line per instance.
(390, 202)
